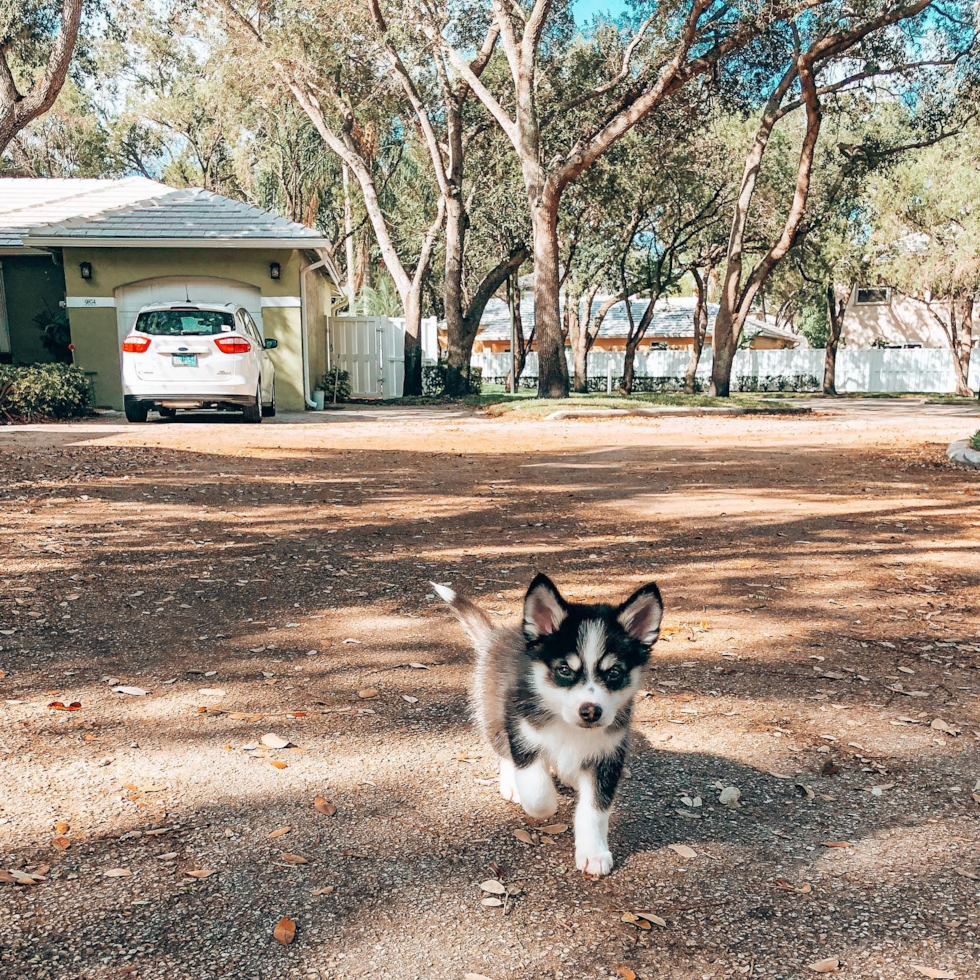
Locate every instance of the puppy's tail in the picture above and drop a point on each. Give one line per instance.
(475, 621)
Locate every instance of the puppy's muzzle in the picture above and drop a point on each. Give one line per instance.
(590, 713)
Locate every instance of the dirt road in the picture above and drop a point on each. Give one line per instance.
(821, 654)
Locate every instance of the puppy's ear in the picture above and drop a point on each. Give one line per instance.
(544, 608)
(475, 621)
(641, 613)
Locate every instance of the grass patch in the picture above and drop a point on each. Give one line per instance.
(975, 441)
(530, 406)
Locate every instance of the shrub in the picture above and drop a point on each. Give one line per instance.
(53, 391)
(335, 377)
(975, 441)
(434, 379)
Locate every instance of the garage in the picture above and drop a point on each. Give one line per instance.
(130, 299)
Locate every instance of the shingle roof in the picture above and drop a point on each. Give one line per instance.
(26, 202)
(179, 216)
(674, 317)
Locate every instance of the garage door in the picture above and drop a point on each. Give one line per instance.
(175, 289)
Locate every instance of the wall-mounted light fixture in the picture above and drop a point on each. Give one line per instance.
(85, 270)
(275, 270)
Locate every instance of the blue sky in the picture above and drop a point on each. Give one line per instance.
(586, 8)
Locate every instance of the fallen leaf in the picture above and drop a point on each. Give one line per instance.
(199, 874)
(928, 971)
(829, 965)
(835, 843)
(651, 917)
(61, 706)
(62, 843)
(117, 873)
(273, 741)
(329, 890)
(282, 831)
(523, 835)
(294, 859)
(136, 692)
(494, 887)
(409, 699)
(803, 889)
(491, 902)
(277, 764)
(368, 692)
(285, 931)
(322, 806)
(554, 828)
(730, 796)
(683, 850)
(62, 827)
(625, 972)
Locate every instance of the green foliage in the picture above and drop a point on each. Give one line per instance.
(382, 299)
(778, 382)
(434, 379)
(43, 391)
(55, 334)
(335, 379)
(975, 440)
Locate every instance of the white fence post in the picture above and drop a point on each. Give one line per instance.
(609, 372)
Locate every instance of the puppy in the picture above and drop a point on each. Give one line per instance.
(557, 693)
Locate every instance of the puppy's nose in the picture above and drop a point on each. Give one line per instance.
(590, 712)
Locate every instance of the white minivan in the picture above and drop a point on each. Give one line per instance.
(197, 355)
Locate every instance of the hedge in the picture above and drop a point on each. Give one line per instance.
(434, 379)
(43, 391)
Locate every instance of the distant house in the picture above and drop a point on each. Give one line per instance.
(672, 326)
(879, 316)
(102, 249)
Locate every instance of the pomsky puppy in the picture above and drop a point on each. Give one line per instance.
(556, 693)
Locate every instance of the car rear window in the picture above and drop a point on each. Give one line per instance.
(179, 323)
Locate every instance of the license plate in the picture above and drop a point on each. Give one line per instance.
(185, 360)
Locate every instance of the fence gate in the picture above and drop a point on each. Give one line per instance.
(372, 350)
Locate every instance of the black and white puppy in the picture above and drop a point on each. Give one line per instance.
(556, 693)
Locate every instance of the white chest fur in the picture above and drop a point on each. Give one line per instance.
(569, 749)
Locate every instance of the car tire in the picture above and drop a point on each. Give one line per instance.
(253, 412)
(136, 411)
(269, 411)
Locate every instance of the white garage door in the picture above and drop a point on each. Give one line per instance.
(175, 289)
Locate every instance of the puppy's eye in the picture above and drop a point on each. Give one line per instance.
(614, 674)
(564, 672)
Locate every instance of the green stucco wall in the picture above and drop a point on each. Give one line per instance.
(34, 286)
(94, 330)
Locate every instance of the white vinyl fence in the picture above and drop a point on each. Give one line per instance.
(921, 369)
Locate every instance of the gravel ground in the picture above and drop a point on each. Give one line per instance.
(821, 654)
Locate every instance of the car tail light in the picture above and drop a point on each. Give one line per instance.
(136, 345)
(233, 345)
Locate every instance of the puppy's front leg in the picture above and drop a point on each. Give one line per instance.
(536, 789)
(596, 787)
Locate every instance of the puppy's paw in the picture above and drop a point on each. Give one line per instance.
(595, 862)
(541, 809)
(508, 790)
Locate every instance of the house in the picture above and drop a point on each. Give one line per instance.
(879, 316)
(102, 249)
(672, 326)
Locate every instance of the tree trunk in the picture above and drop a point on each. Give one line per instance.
(835, 315)
(458, 339)
(552, 369)
(700, 329)
(961, 340)
(629, 365)
(724, 343)
(413, 342)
